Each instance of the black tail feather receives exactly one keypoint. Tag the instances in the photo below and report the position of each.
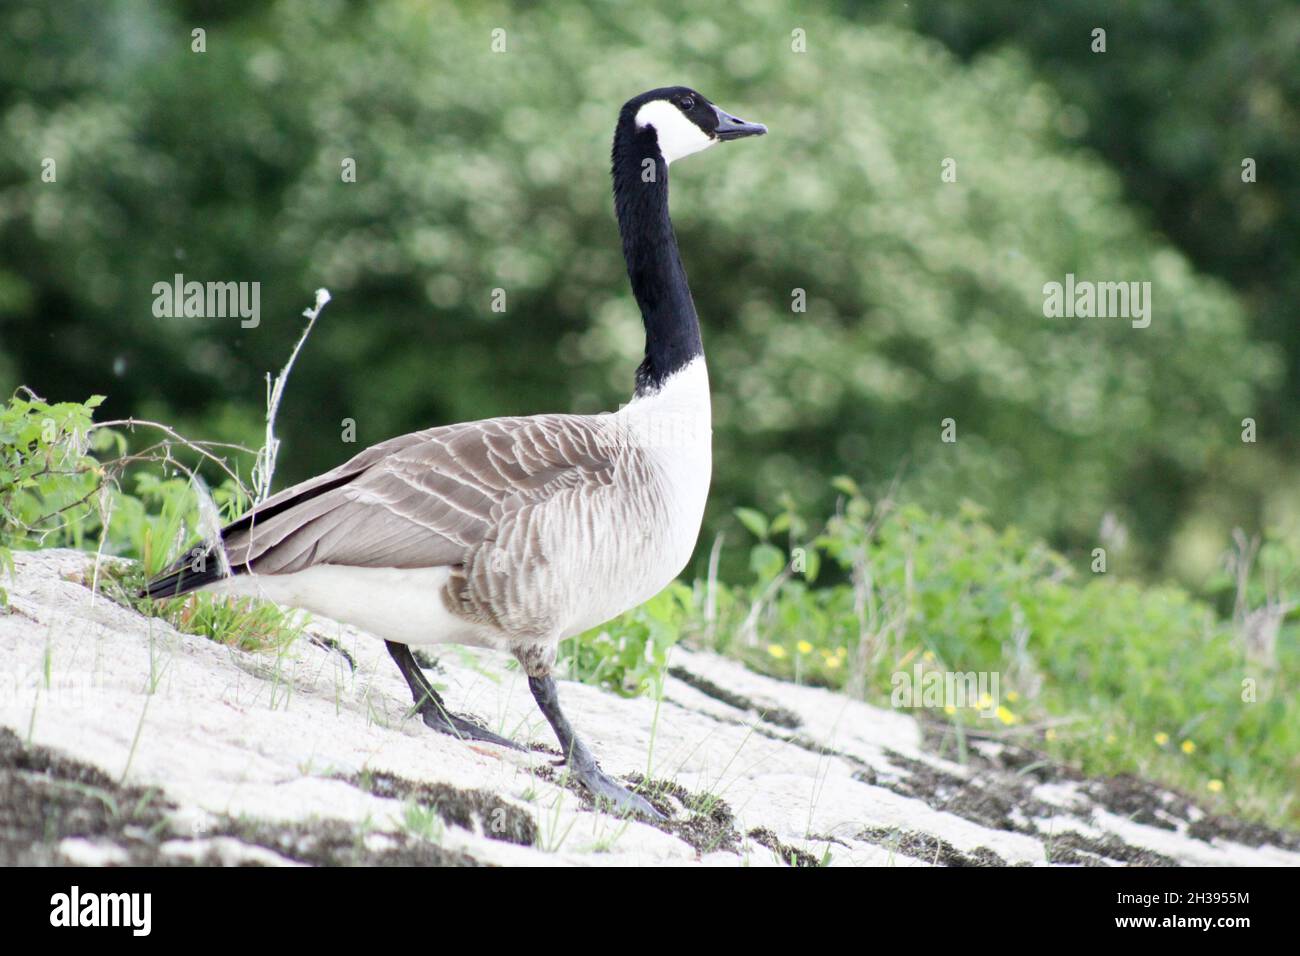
(183, 577)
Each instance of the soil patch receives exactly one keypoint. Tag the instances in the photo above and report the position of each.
(930, 849)
(768, 712)
(1075, 848)
(478, 811)
(791, 855)
(46, 798)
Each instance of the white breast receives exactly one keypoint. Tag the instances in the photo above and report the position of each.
(652, 528)
(679, 422)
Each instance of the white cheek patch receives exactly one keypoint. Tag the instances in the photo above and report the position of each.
(677, 135)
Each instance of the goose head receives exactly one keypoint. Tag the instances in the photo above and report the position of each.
(683, 122)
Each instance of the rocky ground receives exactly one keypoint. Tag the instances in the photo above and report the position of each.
(125, 741)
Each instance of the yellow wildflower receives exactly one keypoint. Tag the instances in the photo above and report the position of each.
(804, 647)
(1006, 716)
(1214, 786)
(1188, 747)
(1162, 738)
(776, 650)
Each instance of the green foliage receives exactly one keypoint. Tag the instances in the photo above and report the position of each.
(246, 623)
(924, 298)
(48, 477)
(56, 492)
(629, 655)
(1184, 93)
(59, 487)
(1142, 669)
(1096, 670)
(1186, 96)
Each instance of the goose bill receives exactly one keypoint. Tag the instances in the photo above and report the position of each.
(733, 127)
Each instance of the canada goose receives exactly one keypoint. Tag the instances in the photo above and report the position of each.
(515, 533)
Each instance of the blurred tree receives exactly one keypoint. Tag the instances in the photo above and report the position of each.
(1185, 93)
(479, 170)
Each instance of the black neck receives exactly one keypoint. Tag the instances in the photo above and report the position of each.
(672, 329)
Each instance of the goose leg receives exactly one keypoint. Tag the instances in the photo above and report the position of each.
(430, 706)
(579, 759)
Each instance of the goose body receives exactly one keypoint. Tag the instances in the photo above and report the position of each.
(515, 533)
(510, 533)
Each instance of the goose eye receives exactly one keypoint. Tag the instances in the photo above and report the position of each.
(688, 104)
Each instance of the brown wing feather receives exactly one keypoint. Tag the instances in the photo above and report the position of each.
(422, 500)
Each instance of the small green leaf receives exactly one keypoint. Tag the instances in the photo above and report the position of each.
(846, 485)
(766, 561)
(812, 564)
(755, 521)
